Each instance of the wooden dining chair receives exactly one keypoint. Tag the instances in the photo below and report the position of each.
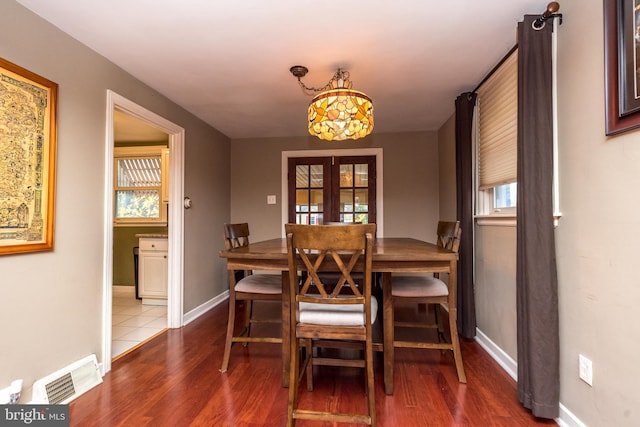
(431, 290)
(248, 287)
(328, 313)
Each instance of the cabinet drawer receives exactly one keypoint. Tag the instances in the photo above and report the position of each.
(154, 244)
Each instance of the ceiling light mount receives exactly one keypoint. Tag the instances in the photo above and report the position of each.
(338, 112)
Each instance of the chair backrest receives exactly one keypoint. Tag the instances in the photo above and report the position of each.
(236, 235)
(345, 248)
(448, 235)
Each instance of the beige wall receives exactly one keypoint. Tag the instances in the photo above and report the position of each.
(596, 240)
(51, 302)
(410, 171)
(447, 170)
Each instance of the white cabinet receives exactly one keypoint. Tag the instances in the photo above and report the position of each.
(152, 270)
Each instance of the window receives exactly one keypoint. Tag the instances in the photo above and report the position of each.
(496, 140)
(138, 186)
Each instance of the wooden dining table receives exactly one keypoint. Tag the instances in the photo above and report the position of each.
(390, 255)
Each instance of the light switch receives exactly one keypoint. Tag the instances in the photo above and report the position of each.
(271, 199)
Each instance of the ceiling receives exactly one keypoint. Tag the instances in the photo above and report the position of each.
(228, 62)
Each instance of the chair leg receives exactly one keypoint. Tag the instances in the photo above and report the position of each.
(457, 354)
(388, 332)
(248, 312)
(308, 345)
(371, 396)
(293, 381)
(230, 324)
(439, 329)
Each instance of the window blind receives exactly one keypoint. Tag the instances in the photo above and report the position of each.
(498, 125)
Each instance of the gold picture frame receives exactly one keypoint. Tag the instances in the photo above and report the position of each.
(27, 160)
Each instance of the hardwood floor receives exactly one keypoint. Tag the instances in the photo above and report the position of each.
(174, 381)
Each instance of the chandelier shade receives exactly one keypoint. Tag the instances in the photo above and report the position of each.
(337, 112)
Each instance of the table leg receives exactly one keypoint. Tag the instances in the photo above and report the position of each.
(388, 333)
(286, 329)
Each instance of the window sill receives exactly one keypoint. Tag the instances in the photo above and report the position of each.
(139, 224)
(497, 220)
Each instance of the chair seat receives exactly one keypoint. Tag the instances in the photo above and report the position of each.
(418, 286)
(260, 284)
(335, 314)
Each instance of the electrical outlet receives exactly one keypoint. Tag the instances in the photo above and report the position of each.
(271, 200)
(586, 369)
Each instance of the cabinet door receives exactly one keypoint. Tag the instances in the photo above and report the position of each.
(153, 274)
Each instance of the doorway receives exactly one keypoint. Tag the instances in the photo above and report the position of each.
(175, 238)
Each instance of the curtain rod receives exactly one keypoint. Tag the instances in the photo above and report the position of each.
(494, 69)
(549, 13)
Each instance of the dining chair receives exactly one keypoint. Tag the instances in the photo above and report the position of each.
(248, 287)
(431, 290)
(343, 313)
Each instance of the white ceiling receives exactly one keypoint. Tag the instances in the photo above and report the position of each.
(228, 62)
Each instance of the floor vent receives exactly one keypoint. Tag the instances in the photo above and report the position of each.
(68, 383)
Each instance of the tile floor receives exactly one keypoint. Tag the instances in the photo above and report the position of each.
(132, 322)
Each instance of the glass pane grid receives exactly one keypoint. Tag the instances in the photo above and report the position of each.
(142, 172)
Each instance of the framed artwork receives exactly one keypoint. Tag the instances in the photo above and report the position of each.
(622, 64)
(27, 160)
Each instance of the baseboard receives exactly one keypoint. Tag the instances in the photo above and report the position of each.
(503, 359)
(204, 307)
(566, 418)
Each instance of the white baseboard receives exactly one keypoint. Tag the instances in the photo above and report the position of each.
(566, 418)
(503, 359)
(204, 307)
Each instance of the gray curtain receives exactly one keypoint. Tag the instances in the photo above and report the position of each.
(464, 197)
(537, 286)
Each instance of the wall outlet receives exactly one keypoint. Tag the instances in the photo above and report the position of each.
(271, 200)
(585, 369)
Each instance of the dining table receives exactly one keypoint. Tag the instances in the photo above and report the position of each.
(390, 255)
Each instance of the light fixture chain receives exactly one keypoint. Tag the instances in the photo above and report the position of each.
(337, 76)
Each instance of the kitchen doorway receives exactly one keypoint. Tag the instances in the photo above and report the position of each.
(175, 240)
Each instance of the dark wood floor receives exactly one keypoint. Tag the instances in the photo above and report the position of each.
(173, 380)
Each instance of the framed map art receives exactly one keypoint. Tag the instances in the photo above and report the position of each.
(27, 160)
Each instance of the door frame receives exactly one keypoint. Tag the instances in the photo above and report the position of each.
(175, 288)
(377, 152)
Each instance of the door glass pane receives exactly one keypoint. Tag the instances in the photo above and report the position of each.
(316, 201)
(347, 218)
(302, 219)
(315, 219)
(363, 218)
(361, 178)
(346, 175)
(302, 201)
(362, 200)
(316, 176)
(346, 200)
(302, 176)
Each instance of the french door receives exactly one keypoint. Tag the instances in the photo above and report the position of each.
(332, 189)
